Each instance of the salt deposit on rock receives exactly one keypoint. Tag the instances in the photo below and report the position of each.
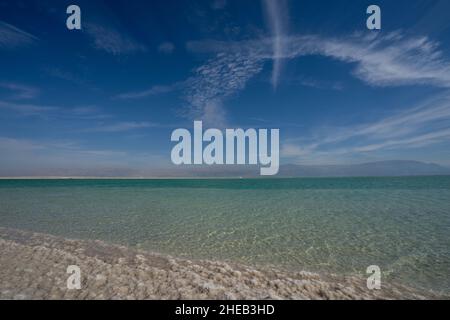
(34, 266)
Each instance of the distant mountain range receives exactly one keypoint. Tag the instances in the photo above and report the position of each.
(381, 168)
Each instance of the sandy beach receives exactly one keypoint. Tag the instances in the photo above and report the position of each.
(34, 266)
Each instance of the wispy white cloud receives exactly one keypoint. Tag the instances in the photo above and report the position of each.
(221, 77)
(13, 37)
(27, 109)
(54, 112)
(277, 16)
(319, 84)
(413, 142)
(121, 126)
(379, 60)
(99, 121)
(389, 60)
(112, 41)
(37, 157)
(64, 75)
(218, 79)
(84, 113)
(218, 4)
(210, 85)
(425, 124)
(10, 144)
(19, 91)
(41, 157)
(166, 47)
(155, 90)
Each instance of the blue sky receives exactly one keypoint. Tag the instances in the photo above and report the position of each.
(105, 99)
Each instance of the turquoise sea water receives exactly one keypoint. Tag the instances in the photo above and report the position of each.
(339, 225)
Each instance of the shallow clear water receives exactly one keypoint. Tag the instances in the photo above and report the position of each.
(339, 225)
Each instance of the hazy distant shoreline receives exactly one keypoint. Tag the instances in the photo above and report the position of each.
(210, 178)
(394, 168)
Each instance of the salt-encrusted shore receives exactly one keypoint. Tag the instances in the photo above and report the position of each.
(34, 266)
